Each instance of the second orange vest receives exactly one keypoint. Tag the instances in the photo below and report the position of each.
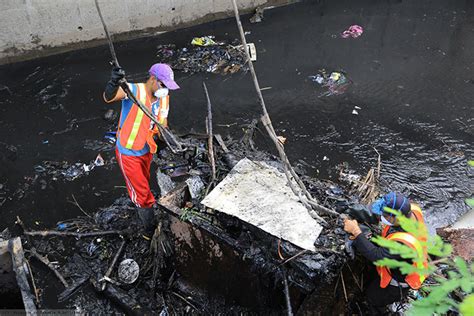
(414, 280)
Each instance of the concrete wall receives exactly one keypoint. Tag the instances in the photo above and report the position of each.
(34, 28)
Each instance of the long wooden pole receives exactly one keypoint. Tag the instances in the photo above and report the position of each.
(210, 145)
(291, 175)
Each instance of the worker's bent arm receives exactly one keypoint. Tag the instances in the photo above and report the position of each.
(370, 251)
(119, 96)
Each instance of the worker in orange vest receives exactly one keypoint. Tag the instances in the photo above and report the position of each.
(135, 144)
(391, 285)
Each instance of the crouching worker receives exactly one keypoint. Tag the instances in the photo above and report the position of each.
(135, 144)
(391, 285)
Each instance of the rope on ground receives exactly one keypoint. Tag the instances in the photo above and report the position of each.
(312, 204)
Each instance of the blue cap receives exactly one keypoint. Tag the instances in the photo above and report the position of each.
(377, 206)
(393, 200)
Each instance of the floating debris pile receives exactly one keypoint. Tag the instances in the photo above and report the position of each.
(204, 55)
(336, 82)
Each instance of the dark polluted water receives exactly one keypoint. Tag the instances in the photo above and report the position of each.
(411, 84)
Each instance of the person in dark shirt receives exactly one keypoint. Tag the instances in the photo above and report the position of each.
(390, 285)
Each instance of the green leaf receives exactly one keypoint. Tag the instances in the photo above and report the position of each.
(415, 228)
(437, 247)
(442, 308)
(470, 202)
(405, 267)
(466, 308)
(462, 267)
(471, 163)
(395, 247)
(417, 310)
(466, 285)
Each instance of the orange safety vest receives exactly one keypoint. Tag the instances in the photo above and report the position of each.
(137, 128)
(414, 280)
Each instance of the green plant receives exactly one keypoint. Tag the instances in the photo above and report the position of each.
(438, 296)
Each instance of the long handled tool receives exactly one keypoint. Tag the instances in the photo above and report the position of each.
(171, 140)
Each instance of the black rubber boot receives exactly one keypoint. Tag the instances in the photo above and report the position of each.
(148, 218)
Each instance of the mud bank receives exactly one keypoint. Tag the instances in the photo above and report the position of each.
(197, 259)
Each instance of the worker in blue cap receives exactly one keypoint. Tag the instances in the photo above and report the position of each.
(391, 285)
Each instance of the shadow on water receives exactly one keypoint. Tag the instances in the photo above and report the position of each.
(411, 73)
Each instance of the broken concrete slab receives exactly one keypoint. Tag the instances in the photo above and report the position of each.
(461, 235)
(259, 194)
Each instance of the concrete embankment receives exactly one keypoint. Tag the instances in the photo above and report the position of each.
(35, 28)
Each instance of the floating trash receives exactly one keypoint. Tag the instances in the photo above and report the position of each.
(219, 58)
(67, 171)
(353, 31)
(258, 16)
(203, 41)
(336, 82)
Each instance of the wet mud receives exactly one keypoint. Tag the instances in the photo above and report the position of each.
(410, 74)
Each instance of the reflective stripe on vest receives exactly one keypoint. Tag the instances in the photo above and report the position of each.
(162, 116)
(134, 130)
(414, 280)
(142, 97)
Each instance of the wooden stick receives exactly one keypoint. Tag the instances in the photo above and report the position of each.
(379, 164)
(33, 281)
(45, 233)
(185, 300)
(337, 284)
(45, 261)
(289, 171)
(112, 264)
(82, 210)
(344, 287)
(355, 279)
(210, 144)
(286, 290)
(220, 141)
(295, 256)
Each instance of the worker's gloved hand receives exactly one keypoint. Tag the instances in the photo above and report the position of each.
(361, 213)
(356, 211)
(352, 227)
(117, 75)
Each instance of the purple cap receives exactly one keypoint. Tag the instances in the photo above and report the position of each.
(165, 74)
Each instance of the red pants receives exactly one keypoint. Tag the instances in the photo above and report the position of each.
(136, 171)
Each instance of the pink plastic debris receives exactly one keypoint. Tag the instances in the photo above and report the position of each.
(353, 31)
